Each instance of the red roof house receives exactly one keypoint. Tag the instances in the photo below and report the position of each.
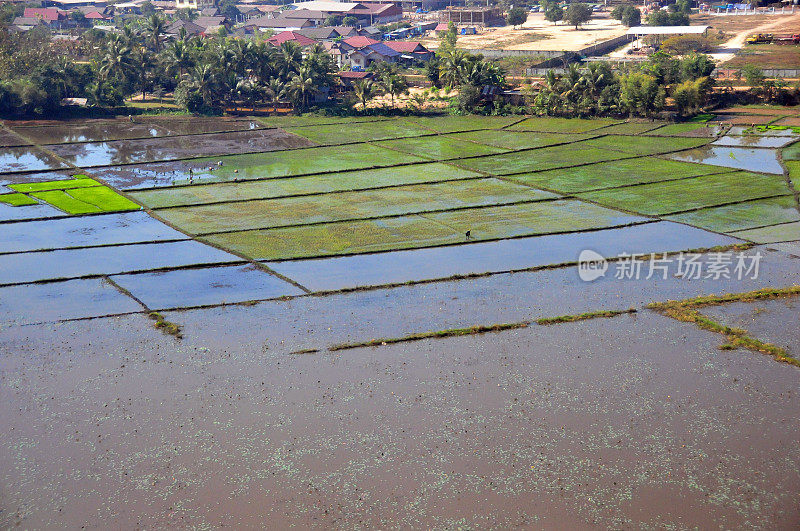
(280, 38)
(360, 42)
(46, 14)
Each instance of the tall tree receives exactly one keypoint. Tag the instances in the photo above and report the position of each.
(578, 14)
(365, 90)
(155, 32)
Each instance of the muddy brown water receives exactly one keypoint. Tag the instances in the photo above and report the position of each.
(9, 139)
(637, 421)
(776, 321)
(90, 131)
(159, 149)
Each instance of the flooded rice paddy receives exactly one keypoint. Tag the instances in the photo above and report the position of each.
(261, 239)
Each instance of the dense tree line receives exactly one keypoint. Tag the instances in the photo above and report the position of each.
(205, 74)
(640, 91)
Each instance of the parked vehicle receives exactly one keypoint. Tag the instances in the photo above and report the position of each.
(759, 38)
(787, 39)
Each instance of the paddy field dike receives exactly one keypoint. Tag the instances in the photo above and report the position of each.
(380, 321)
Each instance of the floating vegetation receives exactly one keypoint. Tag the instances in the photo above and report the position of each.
(165, 326)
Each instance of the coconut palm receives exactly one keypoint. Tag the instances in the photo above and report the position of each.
(116, 61)
(179, 57)
(203, 78)
(301, 88)
(155, 32)
(274, 91)
(365, 89)
(394, 85)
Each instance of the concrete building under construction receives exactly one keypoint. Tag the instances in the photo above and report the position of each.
(477, 16)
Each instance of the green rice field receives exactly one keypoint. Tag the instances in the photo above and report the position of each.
(687, 194)
(381, 184)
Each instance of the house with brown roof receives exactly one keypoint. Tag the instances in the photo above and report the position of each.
(349, 77)
(322, 33)
(190, 27)
(377, 13)
(336, 51)
(281, 23)
(208, 22)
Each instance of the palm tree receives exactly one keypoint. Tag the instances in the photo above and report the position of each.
(203, 78)
(365, 89)
(394, 85)
(452, 67)
(274, 91)
(155, 31)
(301, 88)
(142, 65)
(116, 61)
(290, 59)
(180, 58)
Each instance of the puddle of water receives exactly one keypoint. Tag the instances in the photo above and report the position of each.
(754, 141)
(26, 159)
(12, 213)
(187, 126)
(73, 263)
(768, 320)
(748, 130)
(197, 287)
(758, 160)
(37, 177)
(73, 299)
(82, 231)
(442, 262)
(90, 131)
(8, 139)
(147, 150)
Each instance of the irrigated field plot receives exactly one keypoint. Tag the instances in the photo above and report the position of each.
(154, 149)
(364, 132)
(183, 308)
(676, 196)
(614, 174)
(199, 194)
(561, 125)
(381, 185)
(423, 230)
(303, 210)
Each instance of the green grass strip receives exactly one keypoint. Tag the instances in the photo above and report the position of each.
(66, 184)
(106, 199)
(17, 200)
(63, 201)
(428, 335)
(713, 300)
(582, 316)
